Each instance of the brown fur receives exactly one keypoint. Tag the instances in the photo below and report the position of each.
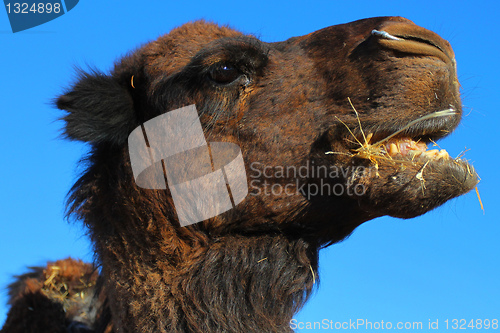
(250, 269)
(55, 298)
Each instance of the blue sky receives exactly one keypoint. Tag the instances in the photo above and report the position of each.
(443, 265)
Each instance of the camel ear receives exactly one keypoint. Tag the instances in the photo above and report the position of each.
(99, 109)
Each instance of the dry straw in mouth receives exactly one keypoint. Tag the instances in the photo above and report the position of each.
(369, 151)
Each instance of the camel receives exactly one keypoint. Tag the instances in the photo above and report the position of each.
(333, 129)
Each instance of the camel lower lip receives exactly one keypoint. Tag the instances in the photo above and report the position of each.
(405, 155)
(418, 180)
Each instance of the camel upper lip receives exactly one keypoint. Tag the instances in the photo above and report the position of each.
(425, 131)
(412, 39)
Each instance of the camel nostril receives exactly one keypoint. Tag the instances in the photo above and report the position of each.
(412, 39)
(383, 34)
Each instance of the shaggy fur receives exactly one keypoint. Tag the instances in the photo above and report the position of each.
(57, 298)
(287, 106)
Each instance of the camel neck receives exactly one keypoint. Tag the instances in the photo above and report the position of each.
(236, 284)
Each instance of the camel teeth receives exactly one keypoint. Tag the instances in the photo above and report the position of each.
(393, 149)
(443, 154)
(432, 153)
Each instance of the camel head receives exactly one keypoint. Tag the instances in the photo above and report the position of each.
(334, 126)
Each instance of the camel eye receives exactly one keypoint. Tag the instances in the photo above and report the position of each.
(225, 74)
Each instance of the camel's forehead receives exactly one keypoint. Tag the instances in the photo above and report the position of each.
(174, 49)
(198, 32)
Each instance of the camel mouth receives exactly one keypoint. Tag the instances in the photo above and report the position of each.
(408, 143)
(414, 40)
(405, 154)
(404, 150)
(410, 139)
